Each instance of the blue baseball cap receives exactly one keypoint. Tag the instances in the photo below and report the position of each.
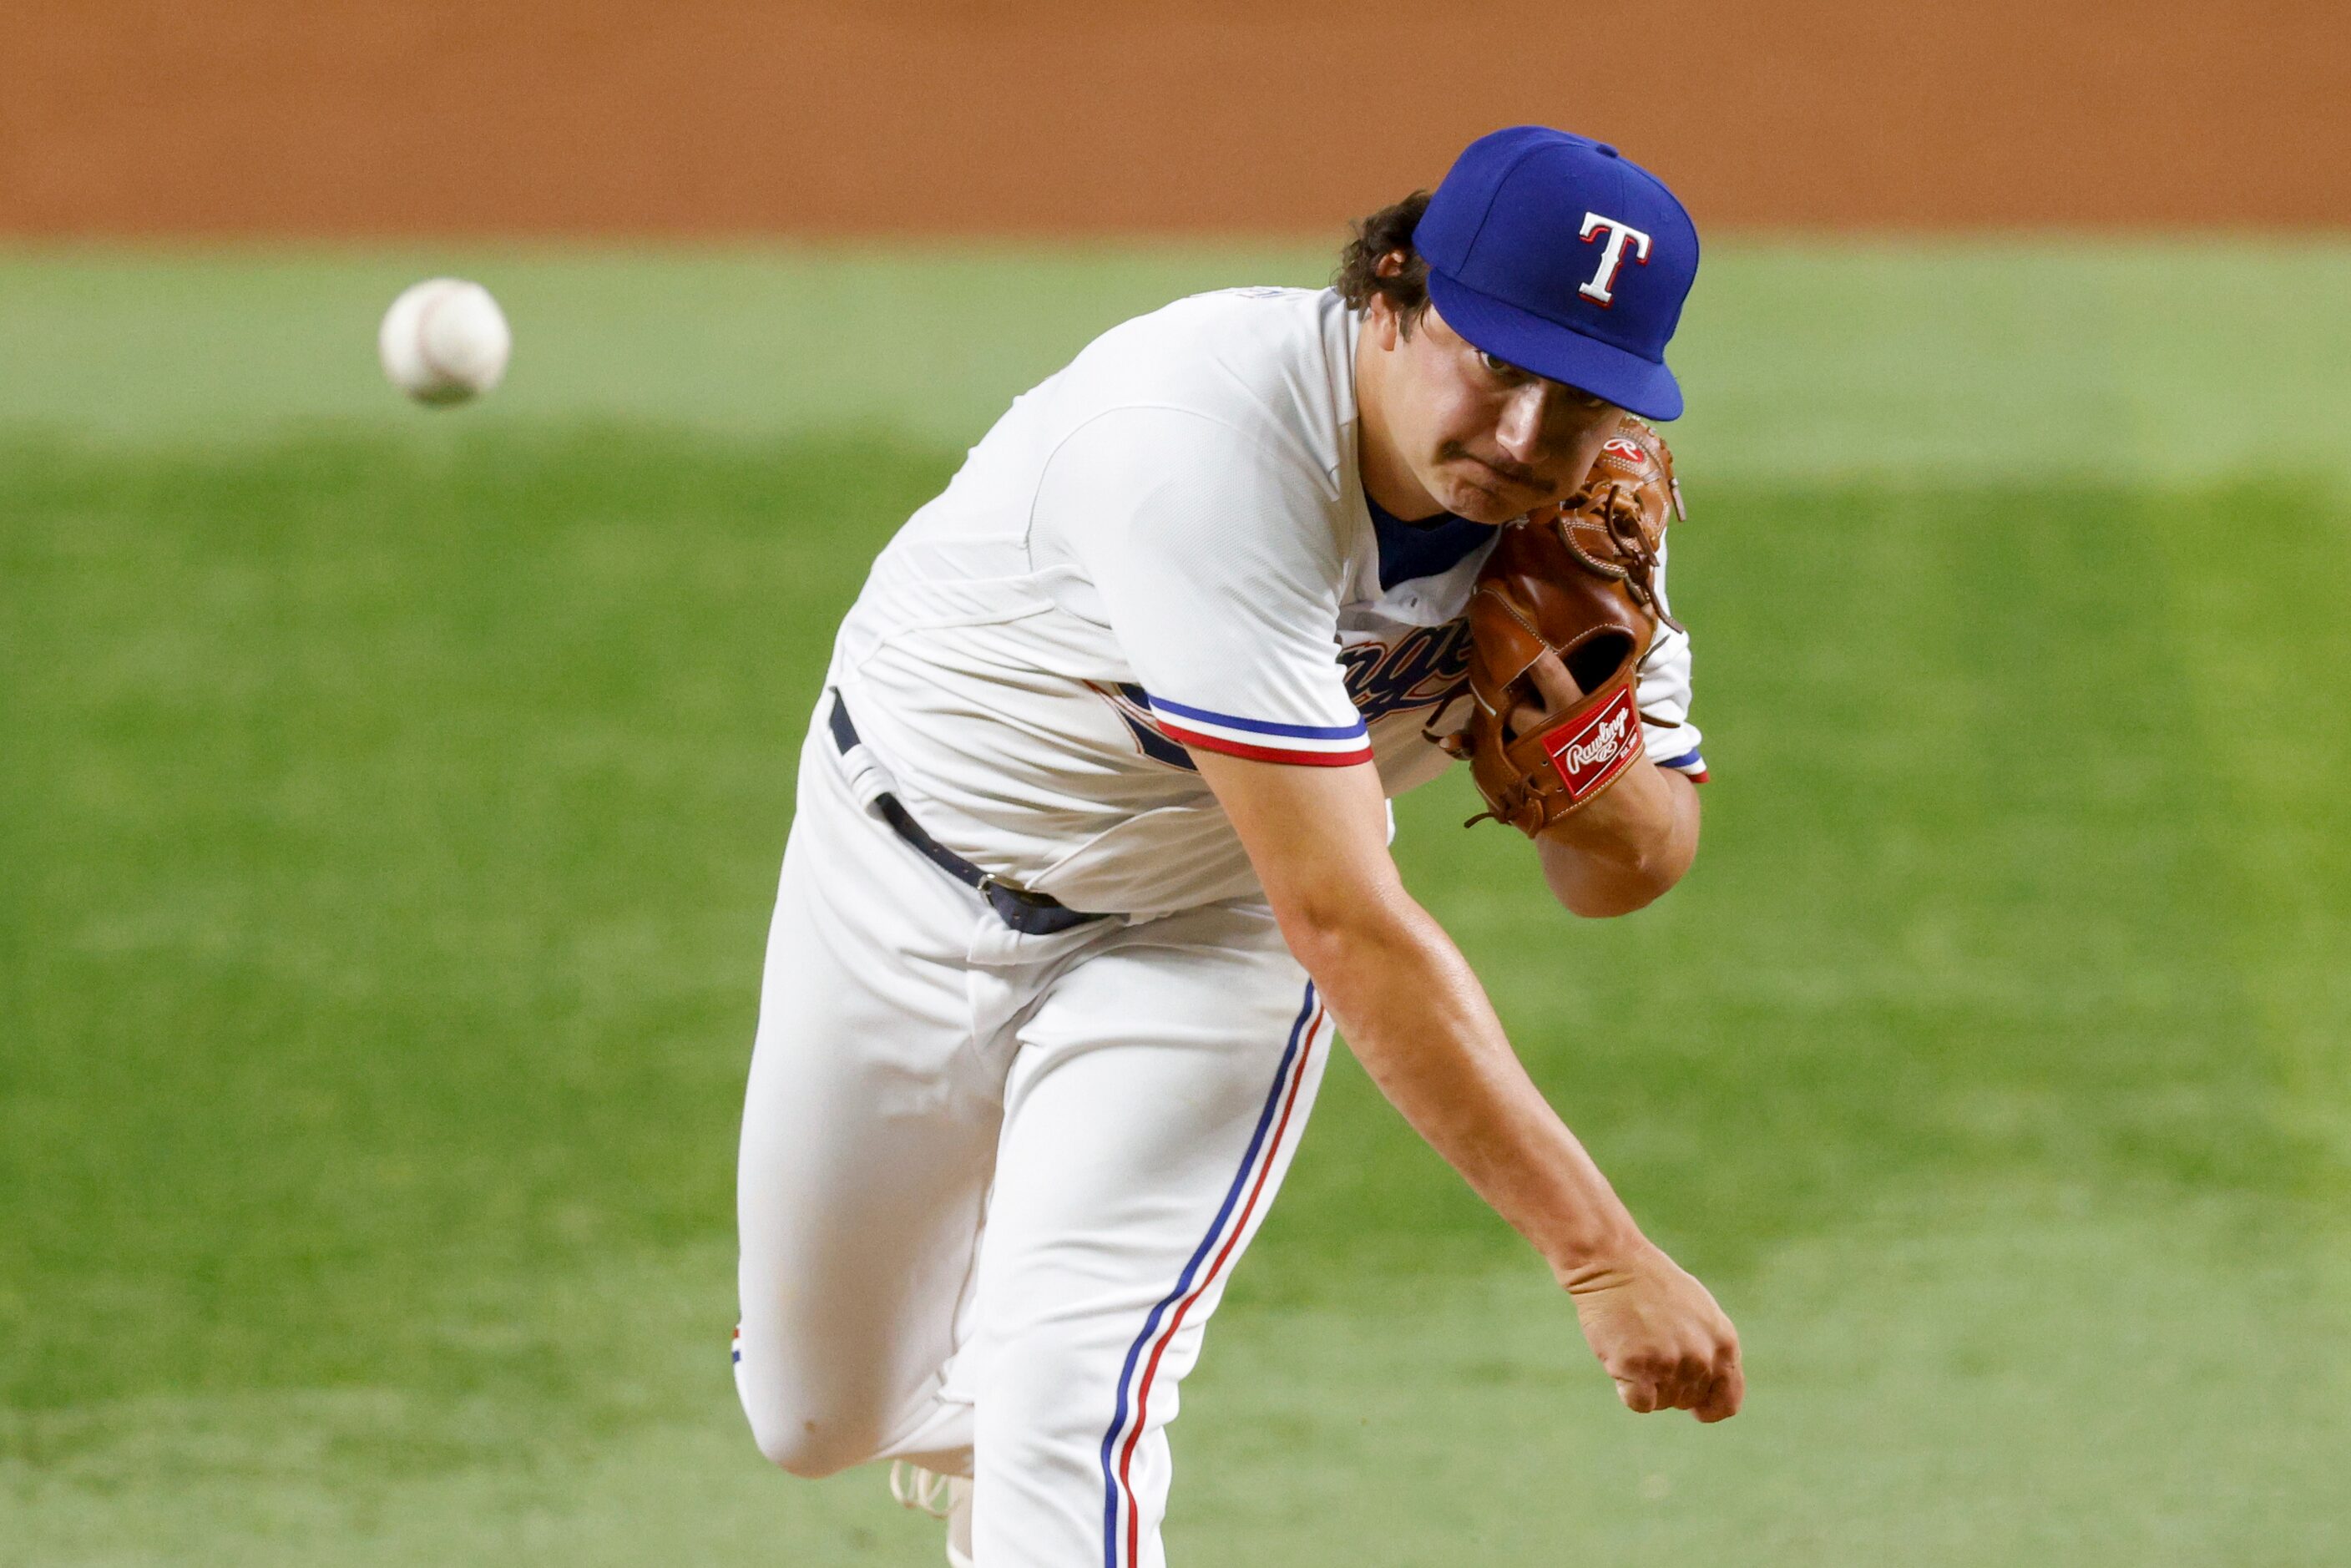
(1560, 254)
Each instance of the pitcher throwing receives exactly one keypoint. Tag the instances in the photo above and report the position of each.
(1090, 853)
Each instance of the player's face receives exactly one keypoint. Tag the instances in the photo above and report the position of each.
(1486, 440)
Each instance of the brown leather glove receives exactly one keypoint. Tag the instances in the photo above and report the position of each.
(1576, 580)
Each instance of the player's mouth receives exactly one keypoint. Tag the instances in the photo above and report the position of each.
(1493, 476)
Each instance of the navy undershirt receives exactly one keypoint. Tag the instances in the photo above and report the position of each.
(1423, 549)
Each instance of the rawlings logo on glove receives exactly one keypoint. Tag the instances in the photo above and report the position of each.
(1591, 757)
(1576, 582)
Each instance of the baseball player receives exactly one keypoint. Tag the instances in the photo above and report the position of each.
(1091, 857)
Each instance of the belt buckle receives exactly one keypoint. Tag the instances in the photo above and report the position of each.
(990, 884)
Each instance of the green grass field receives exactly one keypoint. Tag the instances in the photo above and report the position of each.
(390, 805)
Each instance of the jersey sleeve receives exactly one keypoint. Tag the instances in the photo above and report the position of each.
(1210, 552)
(1665, 694)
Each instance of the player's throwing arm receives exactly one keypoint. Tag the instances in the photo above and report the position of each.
(1420, 1023)
(1510, 390)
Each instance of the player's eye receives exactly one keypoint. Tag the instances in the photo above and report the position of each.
(1499, 368)
(1582, 401)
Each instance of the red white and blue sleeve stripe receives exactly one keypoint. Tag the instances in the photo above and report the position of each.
(1312, 745)
(1691, 762)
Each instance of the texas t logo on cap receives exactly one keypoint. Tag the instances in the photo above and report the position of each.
(1604, 282)
(1510, 237)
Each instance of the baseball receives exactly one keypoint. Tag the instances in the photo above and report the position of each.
(444, 341)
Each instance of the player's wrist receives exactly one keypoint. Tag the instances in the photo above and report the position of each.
(1626, 1254)
(1591, 1244)
(1616, 824)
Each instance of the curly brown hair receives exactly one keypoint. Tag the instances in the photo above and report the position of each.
(1383, 233)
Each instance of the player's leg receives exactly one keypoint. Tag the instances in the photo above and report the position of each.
(869, 1136)
(1157, 1095)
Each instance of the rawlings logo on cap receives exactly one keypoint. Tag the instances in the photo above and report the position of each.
(1588, 755)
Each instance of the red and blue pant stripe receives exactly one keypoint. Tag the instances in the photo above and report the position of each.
(1122, 1514)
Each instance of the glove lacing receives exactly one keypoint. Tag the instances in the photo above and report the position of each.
(1638, 565)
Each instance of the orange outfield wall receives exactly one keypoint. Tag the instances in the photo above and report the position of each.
(1054, 117)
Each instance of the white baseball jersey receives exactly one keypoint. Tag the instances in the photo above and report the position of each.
(1166, 547)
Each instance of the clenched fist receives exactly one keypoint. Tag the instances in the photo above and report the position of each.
(1658, 1334)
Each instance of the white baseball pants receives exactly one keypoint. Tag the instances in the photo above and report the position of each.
(992, 1184)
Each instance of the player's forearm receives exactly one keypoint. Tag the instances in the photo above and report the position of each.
(1417, 1018)
(1420, 1023)
(1626, 849)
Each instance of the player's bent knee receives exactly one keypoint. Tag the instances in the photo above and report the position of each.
(810, 1449)
(805, 1441)
(810, 1418)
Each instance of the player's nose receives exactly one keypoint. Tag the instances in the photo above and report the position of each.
(1519, 430)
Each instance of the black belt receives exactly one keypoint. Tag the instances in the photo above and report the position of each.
(1030, 913)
